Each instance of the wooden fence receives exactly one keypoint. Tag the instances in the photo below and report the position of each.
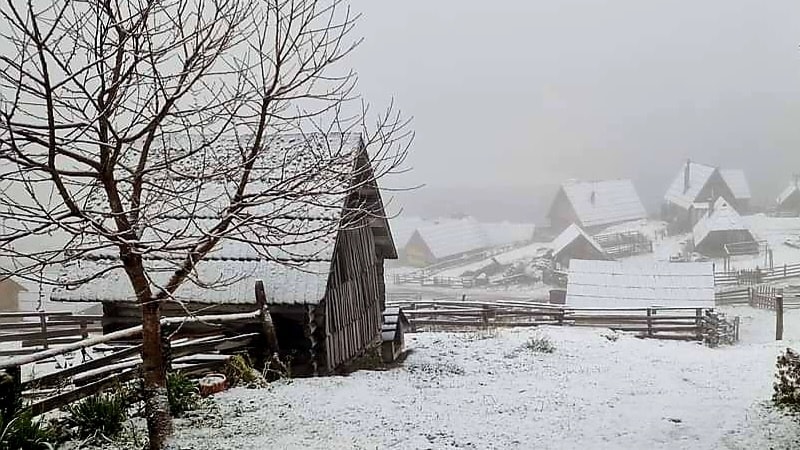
(121, 363)
(620, 245)
(750, 277)
(37, 331)
(702, 324)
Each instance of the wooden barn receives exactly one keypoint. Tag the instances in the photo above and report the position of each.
(324, 287)
(696, 188)
(602, 284)
(722, 226)
(788, 202)
(445, 240)
(594, 205)
(574, 243)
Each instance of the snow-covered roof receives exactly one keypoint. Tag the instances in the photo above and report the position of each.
(638, 284)
(737, 182)
(503, 233)
(403, 228)
(214, 282)
(682, 195)
(790, 190)
(599, 203)
(722, 217)
(285, 240)
(570, 235)
(452, 237)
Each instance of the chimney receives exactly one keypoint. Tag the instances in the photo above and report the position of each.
(686, 175)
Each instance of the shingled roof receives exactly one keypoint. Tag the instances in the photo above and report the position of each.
(287, 242)
(685, 191)
(598, 203)
(451, 237)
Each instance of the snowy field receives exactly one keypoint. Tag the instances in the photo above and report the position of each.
(486, 390)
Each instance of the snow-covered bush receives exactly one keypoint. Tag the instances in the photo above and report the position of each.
(540, 344)
(786, 388)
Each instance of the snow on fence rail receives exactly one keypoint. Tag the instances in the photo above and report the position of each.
(682, 323)
(749, 277)
(61, 387)
(49, 328)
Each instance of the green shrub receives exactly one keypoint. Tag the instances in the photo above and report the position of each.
(182, 393)
(23, 432)
(101, 414)
(540, 344)
(786, 388)
(239, 370)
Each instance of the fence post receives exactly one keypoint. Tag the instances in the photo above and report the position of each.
(265, 319)
(698, 323)
(736, 329)
(10, 390)
(43, 322)
(779, 317)
(750, 295)
(485, 316)
(650, 322)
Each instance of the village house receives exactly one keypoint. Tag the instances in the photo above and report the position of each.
(593, 205)
(722, 228)
(788, 202)
(325, 289)
(9, 294)
(574, 243)
(696, 188)
(640, 285)
(445, 240)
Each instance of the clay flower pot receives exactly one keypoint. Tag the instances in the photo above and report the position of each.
(212, 383)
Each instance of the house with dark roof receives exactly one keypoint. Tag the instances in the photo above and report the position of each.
(322, 273)
(593, 205)
(695, 189)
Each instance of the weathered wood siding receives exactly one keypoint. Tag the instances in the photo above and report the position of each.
(352, 303)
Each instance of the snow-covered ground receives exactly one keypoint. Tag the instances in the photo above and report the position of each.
(485, 390)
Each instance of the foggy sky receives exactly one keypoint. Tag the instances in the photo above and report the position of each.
(516, 94)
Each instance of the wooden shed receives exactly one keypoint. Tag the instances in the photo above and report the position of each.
(395, 324)
(593, 205)
(9, 294)
(445, 240)
(694, 190)
(722, 226)
(323, 281)
(574, 243)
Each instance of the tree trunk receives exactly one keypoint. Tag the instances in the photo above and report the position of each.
(159, 420)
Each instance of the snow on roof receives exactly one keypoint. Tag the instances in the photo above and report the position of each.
(604, 202)
(403, 228)
(737, 182)
(722, 217)
(503, 233)
(639, 284)
(788, 192)
(452, 237)
(286, 241)
(570, 235)
(699, 174)
(214, 282)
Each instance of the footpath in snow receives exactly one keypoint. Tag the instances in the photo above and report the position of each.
(486, 390)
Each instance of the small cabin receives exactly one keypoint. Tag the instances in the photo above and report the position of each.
(694, 190)
(445, 240)
(594, 205)
(323, 278)
(722, 232)
(574, 243)
(9, 294)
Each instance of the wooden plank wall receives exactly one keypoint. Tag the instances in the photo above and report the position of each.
(352, 305)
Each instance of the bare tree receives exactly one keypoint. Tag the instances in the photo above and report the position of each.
(118, 115)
